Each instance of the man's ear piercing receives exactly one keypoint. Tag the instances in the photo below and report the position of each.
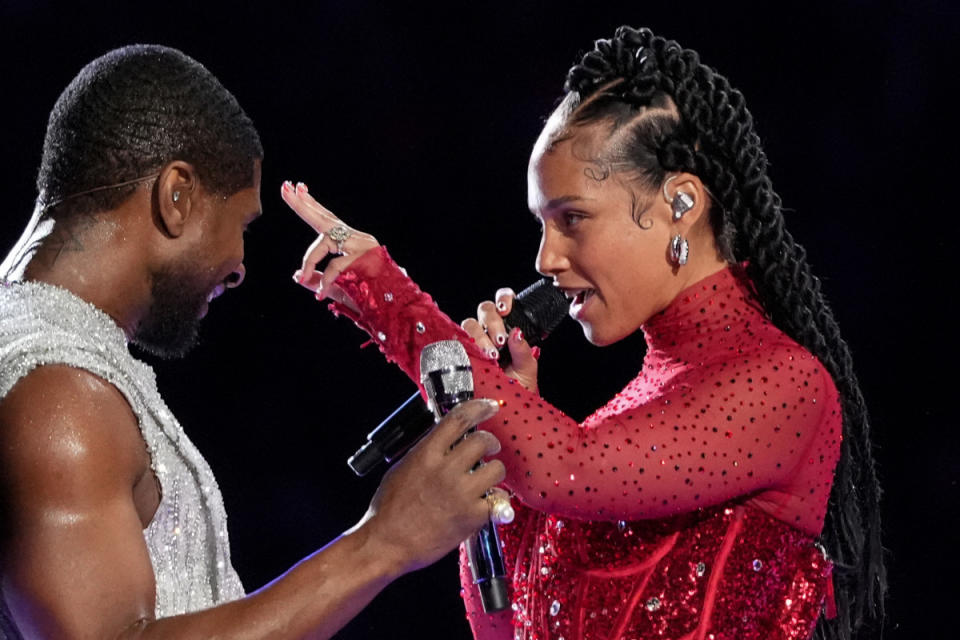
(176, 196)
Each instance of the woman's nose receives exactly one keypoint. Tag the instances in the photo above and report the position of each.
(550, 258)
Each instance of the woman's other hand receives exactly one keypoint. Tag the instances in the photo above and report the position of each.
(490, 333)
(335, 237)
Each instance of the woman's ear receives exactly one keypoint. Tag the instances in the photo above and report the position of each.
(687, 197)
(176, 191)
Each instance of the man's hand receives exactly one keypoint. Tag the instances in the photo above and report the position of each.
(433, 499)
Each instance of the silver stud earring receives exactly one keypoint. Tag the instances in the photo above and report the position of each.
(176, 196)
(679, 250)
(681, 203)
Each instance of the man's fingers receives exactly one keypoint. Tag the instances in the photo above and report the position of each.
(497, 493)
(463, 417)
(490, 474)
(474, 448)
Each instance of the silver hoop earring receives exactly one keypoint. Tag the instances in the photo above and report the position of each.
(679, 250)
(176, 196)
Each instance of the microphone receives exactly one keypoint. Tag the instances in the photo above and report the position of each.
(537, 310)
(447, 377)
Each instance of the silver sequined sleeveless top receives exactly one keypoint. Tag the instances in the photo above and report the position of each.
(187, 538)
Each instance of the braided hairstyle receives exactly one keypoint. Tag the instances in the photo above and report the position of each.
(131, 111)
(664, 111)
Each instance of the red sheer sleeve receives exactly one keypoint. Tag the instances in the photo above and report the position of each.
(684, 434)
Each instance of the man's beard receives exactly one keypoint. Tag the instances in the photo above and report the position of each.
(171, 326)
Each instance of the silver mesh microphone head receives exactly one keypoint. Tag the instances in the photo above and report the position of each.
(445, 371)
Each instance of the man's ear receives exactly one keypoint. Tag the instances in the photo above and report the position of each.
(176, 194)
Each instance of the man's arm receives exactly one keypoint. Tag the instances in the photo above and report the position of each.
(76, 564)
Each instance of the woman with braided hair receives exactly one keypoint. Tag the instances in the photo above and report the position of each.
(728, 492)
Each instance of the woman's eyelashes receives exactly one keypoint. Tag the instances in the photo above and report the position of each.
(572, 219)
(563, 221)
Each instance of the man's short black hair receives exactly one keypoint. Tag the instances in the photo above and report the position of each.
(130, 112)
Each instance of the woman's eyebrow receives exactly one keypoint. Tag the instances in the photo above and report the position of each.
(556, 202)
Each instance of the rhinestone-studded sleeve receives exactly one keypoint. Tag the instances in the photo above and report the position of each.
(725, 405)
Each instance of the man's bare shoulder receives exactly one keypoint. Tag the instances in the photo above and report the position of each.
(71, 457)
(63, 424)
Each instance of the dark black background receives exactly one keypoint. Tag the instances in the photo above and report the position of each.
(414, 122)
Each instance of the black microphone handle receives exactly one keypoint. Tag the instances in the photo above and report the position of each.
(536, 311)
(393, 436)
(484, 551)
(485, 558)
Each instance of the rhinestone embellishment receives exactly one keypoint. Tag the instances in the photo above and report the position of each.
(555, 608)
(421, 327)
(653, 604)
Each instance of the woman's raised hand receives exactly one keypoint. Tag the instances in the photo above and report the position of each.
(490, 333)
(335, 237)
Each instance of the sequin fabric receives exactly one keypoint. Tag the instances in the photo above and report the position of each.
(686, 507)
(187, 539)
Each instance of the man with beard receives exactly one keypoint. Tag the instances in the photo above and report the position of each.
(112, 524)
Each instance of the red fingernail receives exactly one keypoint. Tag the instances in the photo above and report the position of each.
(535, 352)
(298, 276)
(501, 306)
(302, 187)
(518, 335)
(501, 339)
(287, 185)
(493, 353)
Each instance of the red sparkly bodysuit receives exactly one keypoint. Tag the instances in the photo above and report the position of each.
(686, 508)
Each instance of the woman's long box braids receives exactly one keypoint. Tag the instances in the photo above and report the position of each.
(710, 133)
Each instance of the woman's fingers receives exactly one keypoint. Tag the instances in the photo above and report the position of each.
(489, 316)
(313, 283)
(476, 331)
(504, 300)
(335, 237)
(488, 329)
(316, 252)
(309, 210)
(523, 360)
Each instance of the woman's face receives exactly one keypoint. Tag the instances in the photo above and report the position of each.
(616, 272)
